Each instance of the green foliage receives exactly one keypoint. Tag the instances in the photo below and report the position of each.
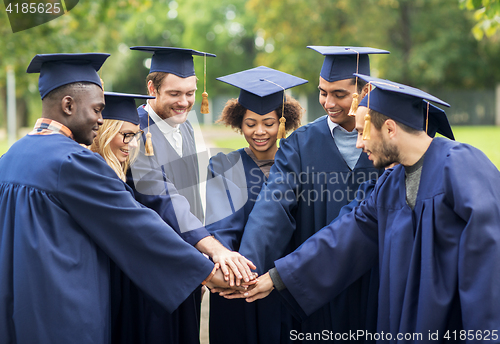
(285, 28)
(430, 40)
(220, 27)
(91, 26)
(431, 43)
(487, 15)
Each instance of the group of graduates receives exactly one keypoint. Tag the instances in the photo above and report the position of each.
(361, 227)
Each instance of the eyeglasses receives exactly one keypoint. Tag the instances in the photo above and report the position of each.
(127, 137)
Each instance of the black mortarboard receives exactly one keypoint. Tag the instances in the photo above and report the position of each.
(342, 62)
(121, 106)
(177, 61)
(438, 121)
(400, 102)
(262, 88)
(61, 69)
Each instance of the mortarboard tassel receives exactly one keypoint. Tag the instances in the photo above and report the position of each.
(355, 102)
(366, 130)
(148, 146)
(204, 102)
(281, 128)
(427, 119)
(355, 95)
(368, 121)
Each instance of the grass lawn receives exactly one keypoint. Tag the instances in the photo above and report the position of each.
(231, 142)
(486, 139)
(4, 146)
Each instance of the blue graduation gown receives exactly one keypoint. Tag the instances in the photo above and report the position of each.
(139, 319)
(308, 185)
(438, 263)
(64, 214)
(181, 171)
(233, 184)
(364, 191)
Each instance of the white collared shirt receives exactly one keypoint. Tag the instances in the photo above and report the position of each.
(333, 125)
(172, 134)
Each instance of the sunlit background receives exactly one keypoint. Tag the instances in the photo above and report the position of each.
(447, 47)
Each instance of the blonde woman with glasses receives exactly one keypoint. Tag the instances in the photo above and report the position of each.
(137, 318)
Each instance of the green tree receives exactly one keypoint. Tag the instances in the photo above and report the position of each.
(487, 15)
(430, 40)
(285, 28)
(219, 27)
(92, 26)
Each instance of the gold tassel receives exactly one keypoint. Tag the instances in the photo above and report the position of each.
(427, 119)
(354, 104)
(281, 128)
(367, 128)
(355, 95)
(148, 147)
(204, 104)
(368, 118)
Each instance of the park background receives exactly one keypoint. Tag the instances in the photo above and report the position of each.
(449, 48)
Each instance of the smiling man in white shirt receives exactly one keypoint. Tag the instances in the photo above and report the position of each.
(167, 179)
(172, 81)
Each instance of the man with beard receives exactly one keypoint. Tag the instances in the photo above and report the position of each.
(316, 172)
(432, 224)
(65, 215)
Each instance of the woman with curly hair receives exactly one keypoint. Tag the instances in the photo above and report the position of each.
(261, 113)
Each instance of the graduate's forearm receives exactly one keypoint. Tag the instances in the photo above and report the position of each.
(153, 189)
(233, 264)
(108, 204)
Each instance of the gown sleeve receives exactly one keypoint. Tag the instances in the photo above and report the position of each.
(364, 191)
(474, 195)
(333, 258)
(271, 223)
(153, 189)
(148, 251)
(227, 194)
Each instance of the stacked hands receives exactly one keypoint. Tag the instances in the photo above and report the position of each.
(235, 279)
